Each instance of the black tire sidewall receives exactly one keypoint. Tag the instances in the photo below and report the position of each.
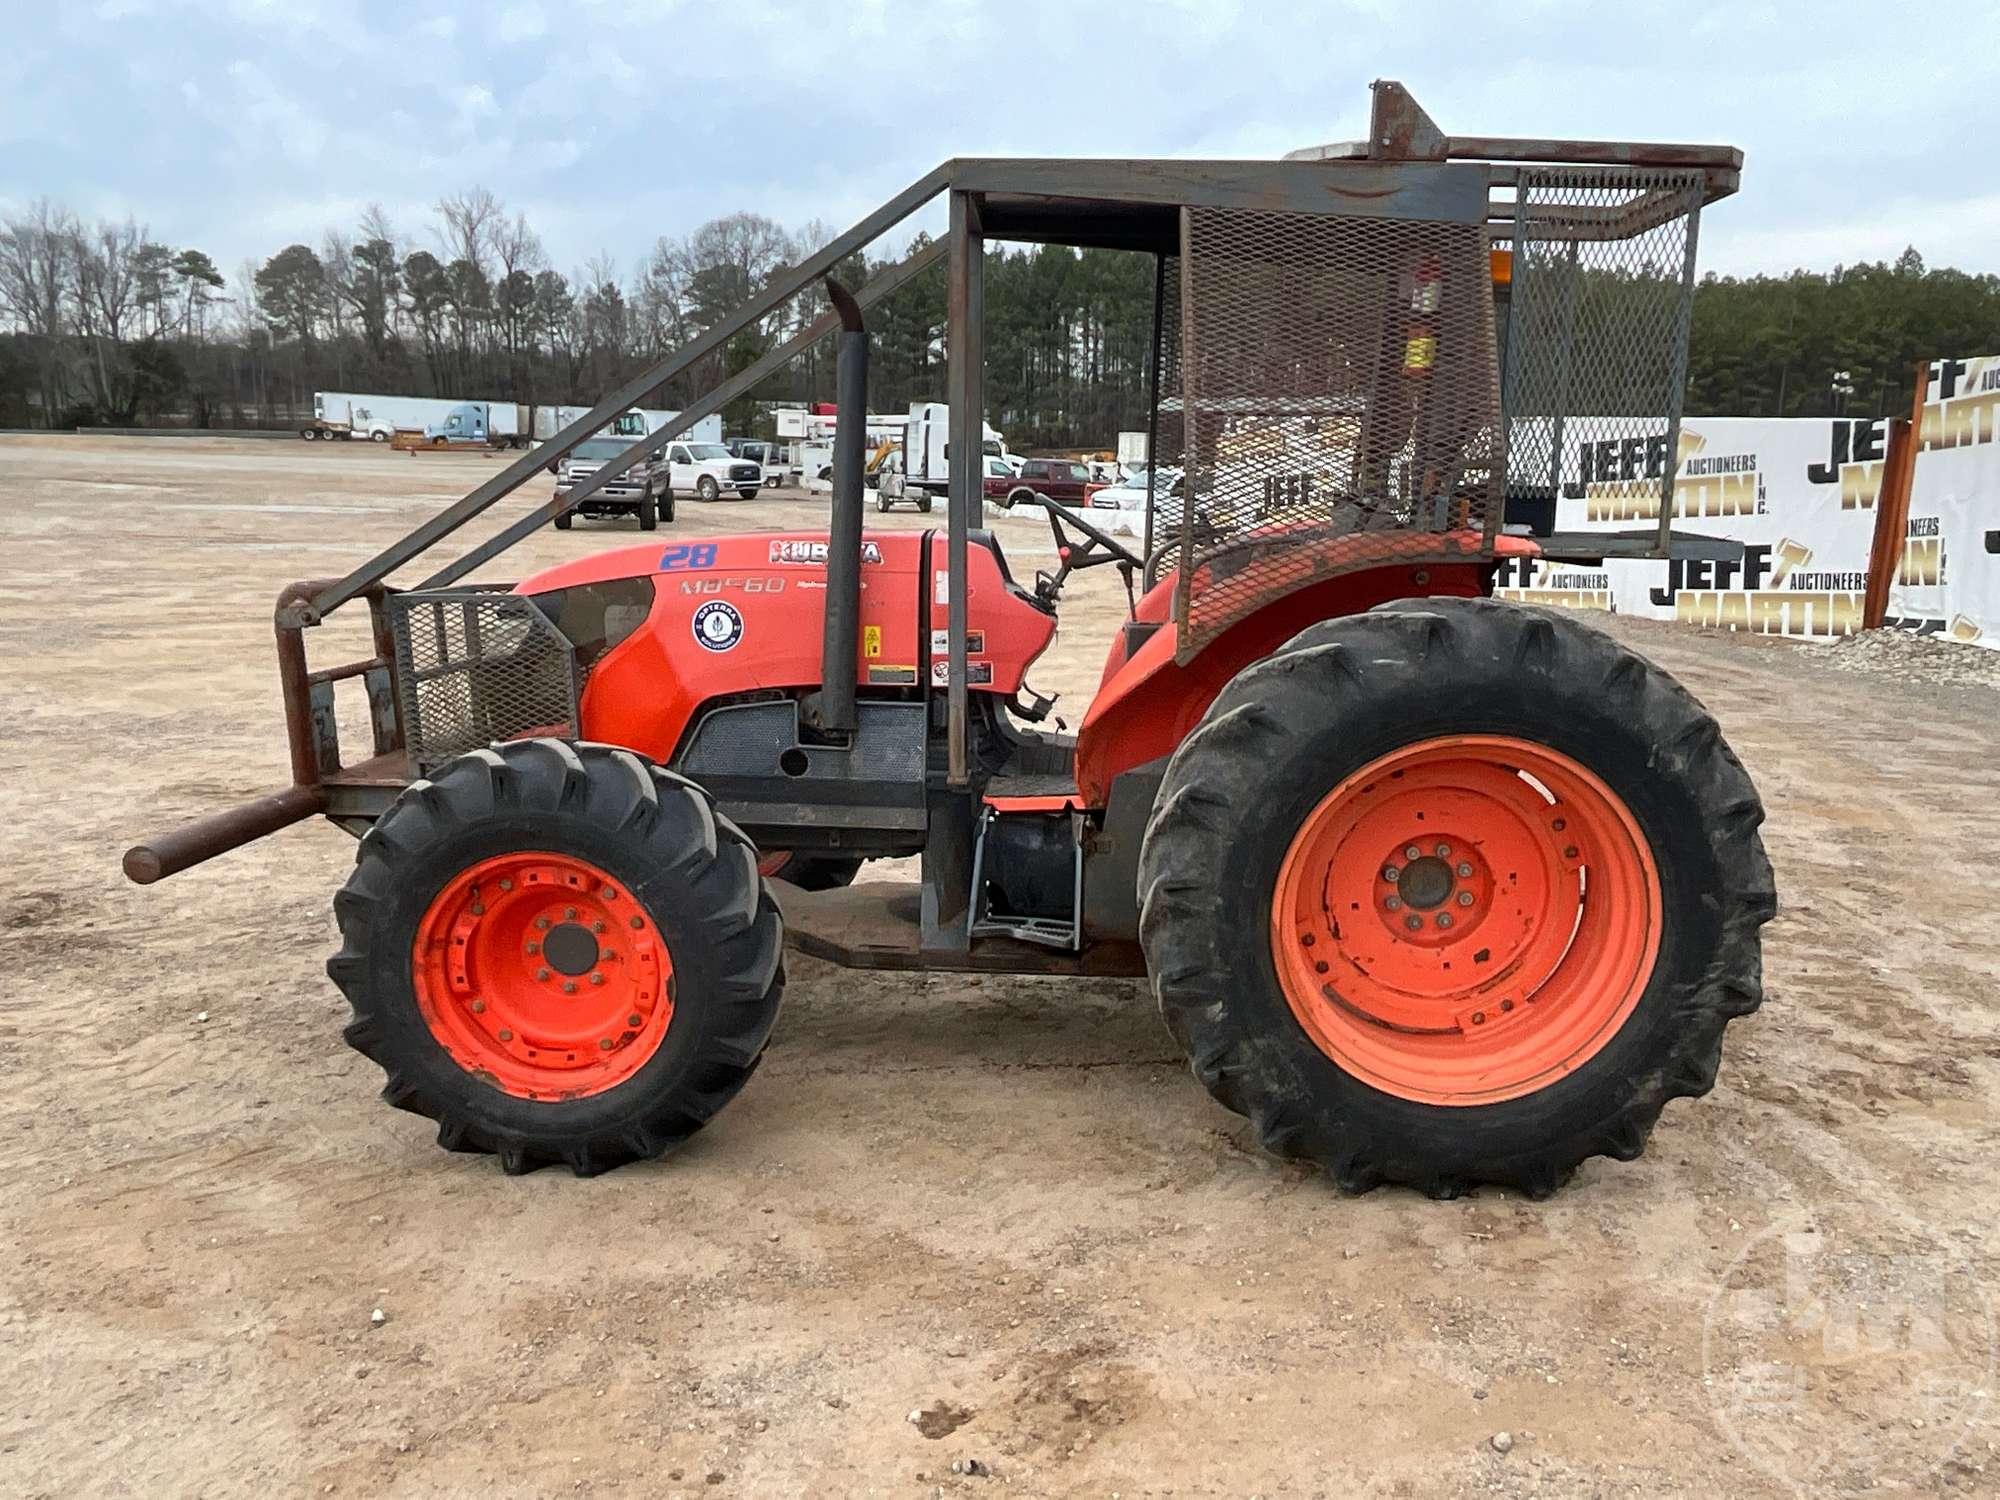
(698, 1016)
(1341, 1112)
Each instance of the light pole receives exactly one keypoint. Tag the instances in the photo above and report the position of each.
(1842, 388)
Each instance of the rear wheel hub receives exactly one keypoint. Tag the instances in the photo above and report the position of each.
(1466, 919)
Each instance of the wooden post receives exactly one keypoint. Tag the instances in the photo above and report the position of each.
(1892, 505)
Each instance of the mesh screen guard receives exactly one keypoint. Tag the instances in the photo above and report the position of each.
(1339, 390)
(1597, 337)
(475, 667)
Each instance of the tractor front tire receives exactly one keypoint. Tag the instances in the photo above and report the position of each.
(560, 953)
(1454, 892)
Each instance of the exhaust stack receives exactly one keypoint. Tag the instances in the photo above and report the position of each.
(831, 710)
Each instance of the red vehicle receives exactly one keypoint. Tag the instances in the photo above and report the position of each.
(1433, 888)
(1062, 480)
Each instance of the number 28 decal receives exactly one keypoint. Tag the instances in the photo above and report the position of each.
(687, 555)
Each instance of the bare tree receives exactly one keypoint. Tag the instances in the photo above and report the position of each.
(107, 291)
(472, 221)
(37, 270)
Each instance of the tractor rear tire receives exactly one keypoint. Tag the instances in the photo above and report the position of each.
(1445, 782)
(560, 953)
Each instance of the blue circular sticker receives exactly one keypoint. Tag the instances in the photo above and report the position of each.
(717, 625)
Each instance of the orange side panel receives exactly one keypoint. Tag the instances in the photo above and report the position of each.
(738, 614)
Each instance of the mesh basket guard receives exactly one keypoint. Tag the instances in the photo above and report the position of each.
(477, 665)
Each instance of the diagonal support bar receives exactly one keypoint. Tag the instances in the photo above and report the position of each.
(738, 384)
(782, 290)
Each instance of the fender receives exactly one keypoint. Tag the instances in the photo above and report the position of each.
(1147, 703)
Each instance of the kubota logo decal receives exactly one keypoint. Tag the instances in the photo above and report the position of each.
(717, 625)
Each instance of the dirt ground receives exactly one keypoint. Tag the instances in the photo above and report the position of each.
(999, 1206)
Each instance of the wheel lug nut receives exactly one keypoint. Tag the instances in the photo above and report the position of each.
(597, 979)
(597, 927)
(1413, 922)
(1569, 851)
(534, 947)
(569, 913)
(479, 1007)
(541, 973)
(542, 923)
(632, 1020)
(1413, 852)
(1465, 869)
(1391, 873)
(636, 922)
(1465, 898)
(1479, 1018)
(1444, 919)
(605, 1044)
(569, 986)
(506, 1035)
(1559, 825)
(1393, 903)
(607, 893)
(506, 885)
(1443, 851)
(478, 910)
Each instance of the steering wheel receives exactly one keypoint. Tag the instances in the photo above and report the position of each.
(1074, 558)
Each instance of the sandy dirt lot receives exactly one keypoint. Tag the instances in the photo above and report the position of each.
(1001, 1203)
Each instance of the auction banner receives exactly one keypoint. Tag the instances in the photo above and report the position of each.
(1799, 493)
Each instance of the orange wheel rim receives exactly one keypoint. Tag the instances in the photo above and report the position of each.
(1466, 920)
(543, 975)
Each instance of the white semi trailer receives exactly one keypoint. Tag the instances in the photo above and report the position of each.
(345, 414)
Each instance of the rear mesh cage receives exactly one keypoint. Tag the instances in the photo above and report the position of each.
(1597, 334)
(475, 666)
(1340, 398)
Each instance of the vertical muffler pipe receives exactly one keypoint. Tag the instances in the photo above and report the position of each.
(833, 711)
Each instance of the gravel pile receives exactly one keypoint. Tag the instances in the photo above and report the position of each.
(1918, 658)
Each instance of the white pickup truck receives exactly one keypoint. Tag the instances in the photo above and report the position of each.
(704, 470)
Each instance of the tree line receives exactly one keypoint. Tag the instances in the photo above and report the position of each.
(103, 325)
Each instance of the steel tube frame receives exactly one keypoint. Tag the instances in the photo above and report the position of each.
(739, 384)
(453, 516)
(966, 355)
(1153, 399)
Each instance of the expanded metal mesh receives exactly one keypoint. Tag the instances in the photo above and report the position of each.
(1340, 394)
(1603, 287)
(474, 667)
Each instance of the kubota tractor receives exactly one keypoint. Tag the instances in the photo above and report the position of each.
(1436, 889)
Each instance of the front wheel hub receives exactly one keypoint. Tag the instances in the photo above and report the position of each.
(1466, 919)
(543, 975)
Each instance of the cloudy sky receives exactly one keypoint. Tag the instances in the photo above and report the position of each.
(240, 125)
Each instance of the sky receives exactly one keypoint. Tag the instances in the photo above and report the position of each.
(239, 126)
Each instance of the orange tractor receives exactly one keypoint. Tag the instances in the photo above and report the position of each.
(1435, 889)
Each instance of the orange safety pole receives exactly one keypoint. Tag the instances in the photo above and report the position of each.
(1892, 505)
